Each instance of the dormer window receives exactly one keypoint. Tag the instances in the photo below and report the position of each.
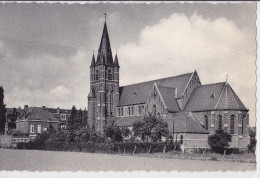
(135, 93)
(212, 95)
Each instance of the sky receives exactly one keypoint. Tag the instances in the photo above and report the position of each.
(46, 49)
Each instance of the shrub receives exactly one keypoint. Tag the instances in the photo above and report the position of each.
(251, 147)
(219, 142)
(93, 147)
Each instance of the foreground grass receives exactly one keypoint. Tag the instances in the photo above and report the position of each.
(41, 160)
(242, 158)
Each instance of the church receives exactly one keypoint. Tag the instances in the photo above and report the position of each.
(191, 109)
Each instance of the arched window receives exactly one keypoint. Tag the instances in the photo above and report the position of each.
(243, 122)
(139, 110)
(232, 124)
(96, 75)
(154, 110)
(109, 74)
(111, 103)
(181, 139)
(219, 122)
(206, 122)
(132, 110)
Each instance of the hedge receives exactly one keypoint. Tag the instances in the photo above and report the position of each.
(93, 147)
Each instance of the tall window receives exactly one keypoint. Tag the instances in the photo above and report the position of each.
(122, 111)
(154, 110)
(96, 75)
(243, 121)
(219, 122)
(109, 74)
(181, 139)
(206, 122)
(111, 103)
(129, 111)
(39, 128)
(232, 124)
(139, 110)
(31, 128)
(132, 110)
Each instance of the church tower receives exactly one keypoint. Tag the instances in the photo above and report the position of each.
(104, 85)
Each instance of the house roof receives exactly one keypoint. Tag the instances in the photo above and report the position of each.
(218, 96)
(62, 111)
(168, 95)
(184, 124)
(37, 113)
(139, 93)
(127, 121)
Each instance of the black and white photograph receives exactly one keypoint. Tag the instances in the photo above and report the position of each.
(166, 86)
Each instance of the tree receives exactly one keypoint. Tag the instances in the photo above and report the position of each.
(2, 110)
(219, 142)
(252, 134)
(72, 118)
(114, 133)
(151, 127)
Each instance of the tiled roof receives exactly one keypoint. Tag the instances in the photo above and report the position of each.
(127, 121)
(62, 111)
(184, 124)
(139, 93)
(37, 113)
(168, 95)
(213, 97)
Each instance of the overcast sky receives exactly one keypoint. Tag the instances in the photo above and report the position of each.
(46, 49)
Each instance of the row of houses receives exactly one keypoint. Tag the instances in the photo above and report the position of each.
(24, 124)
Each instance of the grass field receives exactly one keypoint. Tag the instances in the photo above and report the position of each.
(242, 158)
(36, 160)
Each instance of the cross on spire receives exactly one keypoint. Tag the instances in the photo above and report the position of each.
(226, 78)
(105, 16)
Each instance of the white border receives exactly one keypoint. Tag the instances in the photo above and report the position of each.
(152, 174)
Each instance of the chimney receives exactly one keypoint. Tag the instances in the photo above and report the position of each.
(14, 110)
(25, 106)
(58, 110)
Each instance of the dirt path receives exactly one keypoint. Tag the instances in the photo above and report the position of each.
(33, 160)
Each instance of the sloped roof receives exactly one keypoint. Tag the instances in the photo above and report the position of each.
(37, 113)
(214, 97)
(185, 124)
(168, 95)
(104, 51)
(62, 111)
(139, 93)
(229, 100)
(127, 121)
(116, 63)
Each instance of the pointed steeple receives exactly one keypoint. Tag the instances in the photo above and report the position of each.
(116, 64)
(104, 48)
(93, 61)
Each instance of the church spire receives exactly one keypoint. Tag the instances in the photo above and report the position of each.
(116, 64)
(104, 48)
(93, 61)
